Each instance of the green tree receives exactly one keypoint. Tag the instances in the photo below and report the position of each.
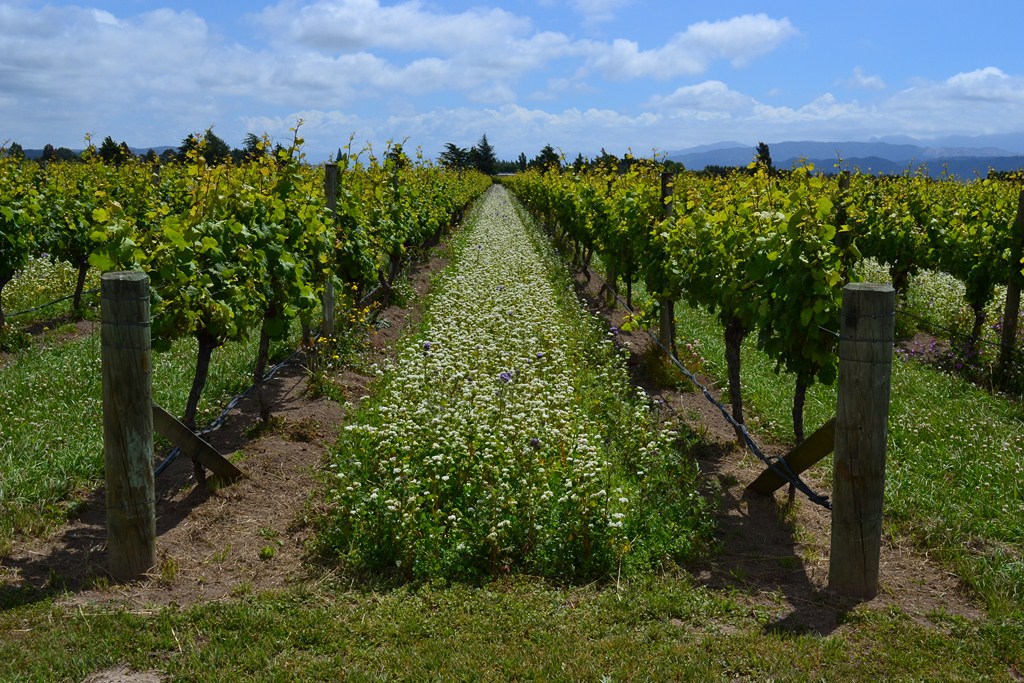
(482, 156)
(215, 150)
(454, 157)
(763, 157)
(124, 153)
(548, 158)
(109, 152)
(254, 146)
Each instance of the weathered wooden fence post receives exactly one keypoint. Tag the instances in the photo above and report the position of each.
(128, 424)
(1008, 340)
(331, 190)
(667, 322)
(862, 418)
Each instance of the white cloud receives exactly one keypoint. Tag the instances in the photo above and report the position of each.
(737, 40)
(988, 84)
(325, 127)
(361, 48)
(599, 11)
(353, 25)
(707, 97)
(380, 69)
(87, 70)
(863, 80)
(91, 70)
(986, 100)
(78, 52)
(825, 108)
(511, 129)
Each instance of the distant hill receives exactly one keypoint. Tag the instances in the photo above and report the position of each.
(137, 151)
(954, 155)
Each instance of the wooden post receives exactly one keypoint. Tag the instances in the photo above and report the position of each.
(1008, 340)
(862, 419)
(128, 424)
(666, 322)
(331, 190)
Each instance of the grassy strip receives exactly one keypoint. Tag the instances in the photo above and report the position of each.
(955, 463)
(506, 435)
(51, 424)
(653, 627)
(656, 629)
(40, 282)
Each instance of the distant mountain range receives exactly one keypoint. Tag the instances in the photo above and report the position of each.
(959, 156)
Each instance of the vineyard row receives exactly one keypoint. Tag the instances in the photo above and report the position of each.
(230, 250)
(770, 253)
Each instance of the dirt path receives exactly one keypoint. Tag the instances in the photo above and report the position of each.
(253, 535)
(773, 552)
(246, 537)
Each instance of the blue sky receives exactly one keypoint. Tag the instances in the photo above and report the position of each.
(581, 75)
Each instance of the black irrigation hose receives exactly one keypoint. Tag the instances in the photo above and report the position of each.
(50, 303)
(218, 422)
(775, 463)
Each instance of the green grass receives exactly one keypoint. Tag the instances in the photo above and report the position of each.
(40, 282)
(51, 426)
(649, 628)
(955, 463)
(654, 629)
(505, 436)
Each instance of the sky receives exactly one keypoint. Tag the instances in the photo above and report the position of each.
(580, 75)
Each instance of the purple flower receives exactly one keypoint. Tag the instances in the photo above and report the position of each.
(505, 376)
(535, 443)
(426, 346)
(614, 330)
(540, 354)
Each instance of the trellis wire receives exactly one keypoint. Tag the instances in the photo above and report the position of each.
(218, 422)
(50, 303)
(776, 464)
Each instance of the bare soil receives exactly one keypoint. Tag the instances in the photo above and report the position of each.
(774, 550)
(216, 543)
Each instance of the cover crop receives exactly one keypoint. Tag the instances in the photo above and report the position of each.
(508, 437)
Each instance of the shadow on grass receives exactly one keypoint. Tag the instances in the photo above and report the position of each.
(75, 559)
(757, 551)
(760, 552)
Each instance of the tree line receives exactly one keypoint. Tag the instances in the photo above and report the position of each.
(215, 150)
(481, 157)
